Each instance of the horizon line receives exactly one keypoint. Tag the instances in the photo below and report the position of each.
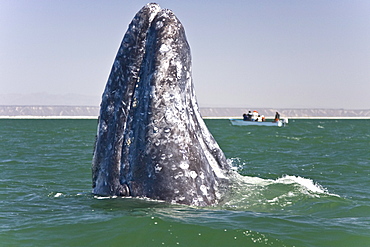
(218, 107)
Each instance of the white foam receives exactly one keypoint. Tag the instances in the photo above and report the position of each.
(304, 185)
(304, 182)
(58, 194)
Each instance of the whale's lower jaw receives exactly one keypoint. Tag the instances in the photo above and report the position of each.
(110, 189)
(171, 191)
(151, 140)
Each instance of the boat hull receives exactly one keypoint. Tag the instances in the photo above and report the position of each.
(241, 122)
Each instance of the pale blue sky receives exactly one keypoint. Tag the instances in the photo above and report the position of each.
(280, 54)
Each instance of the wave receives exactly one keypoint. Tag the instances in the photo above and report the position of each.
(262, 194)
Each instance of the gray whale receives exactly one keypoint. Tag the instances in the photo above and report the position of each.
(151, 139)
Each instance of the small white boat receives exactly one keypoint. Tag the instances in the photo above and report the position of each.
(241, 122)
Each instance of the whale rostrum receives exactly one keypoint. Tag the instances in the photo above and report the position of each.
(151, 139)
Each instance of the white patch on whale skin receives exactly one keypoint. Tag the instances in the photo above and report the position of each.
(193, 174)
(178, 69)
(184, 165)
(128, 142)
(134, 103)
(159, 25)
(197, 201)
(104, 126)
(110, 109)
(164, 48)
(155, 8)
(204, 190)
(157, 168)
(178, 175)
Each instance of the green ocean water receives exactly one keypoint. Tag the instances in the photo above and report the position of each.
(307, 184)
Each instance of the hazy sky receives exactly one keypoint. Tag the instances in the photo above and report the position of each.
(280, 54)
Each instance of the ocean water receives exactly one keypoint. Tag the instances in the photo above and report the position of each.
(307, 184)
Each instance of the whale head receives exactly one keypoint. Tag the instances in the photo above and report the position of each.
(151, 139)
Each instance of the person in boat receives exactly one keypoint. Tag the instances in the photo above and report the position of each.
(245, 117)
(249, 115)
(259, 118)
(277, 117)
(263, 118)
(254, 115)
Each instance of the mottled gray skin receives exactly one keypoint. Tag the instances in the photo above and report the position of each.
(151, 140)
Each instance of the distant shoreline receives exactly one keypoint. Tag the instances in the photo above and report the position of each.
(92, 112)
(49, 117)
(96, 117)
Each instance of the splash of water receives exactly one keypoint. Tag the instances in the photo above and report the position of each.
(259, 194)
